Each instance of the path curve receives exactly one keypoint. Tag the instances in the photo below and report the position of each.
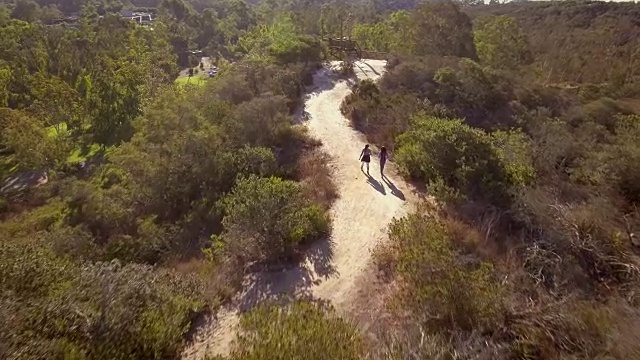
(332, 269)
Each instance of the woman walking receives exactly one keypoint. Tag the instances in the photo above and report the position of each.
(365, 157)
(383, 159)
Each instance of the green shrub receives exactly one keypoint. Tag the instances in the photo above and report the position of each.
(475, 93)
(52, 308)
(260, 121)
(29, 269)
(513, 148)
(125, 312)
(299, 331)
(45, 217)
(381, 116)
(441, 289)
(464, 159)
(266, 218)
(609, 162)
(602, 111)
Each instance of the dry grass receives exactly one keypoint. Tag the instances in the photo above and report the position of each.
(537, 321)
(220, 281)
(315, 175)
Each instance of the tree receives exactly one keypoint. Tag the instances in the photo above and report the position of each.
(33, 145)
(335, 19)
(280, 42)
(5, 77)
(440, 28)
(501, 43)
(49, 13)
(26, 10)
(57, 103)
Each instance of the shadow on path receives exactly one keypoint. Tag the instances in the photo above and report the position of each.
(394, 190)
(290, 283)
(370, 67)
(374, 183)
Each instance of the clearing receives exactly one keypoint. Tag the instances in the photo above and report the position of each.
(334, 269)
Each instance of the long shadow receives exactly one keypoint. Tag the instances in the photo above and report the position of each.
(394, 190)
(289, 283)
(361, 69)
(370, 67)
(374, 183)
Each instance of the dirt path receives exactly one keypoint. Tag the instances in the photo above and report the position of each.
(360, 215)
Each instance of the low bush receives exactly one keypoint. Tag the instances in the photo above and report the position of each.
(302, 330)
(316, 178)
(267, 218)
(438, 287)
(578, 248)
(53, 308)
(576, 329)
(451, 155)
(380, 117)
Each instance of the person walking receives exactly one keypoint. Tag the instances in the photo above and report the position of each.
(383, 159)
(365, 157)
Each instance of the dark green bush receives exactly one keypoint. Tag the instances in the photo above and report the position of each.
(464, 159)
(267, 218)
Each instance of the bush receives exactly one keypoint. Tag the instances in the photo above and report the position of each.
(380, 116)
(42, 218)
(449, 153)
(316, 179)
(52, 308)
(602, 111)
(346, 69)
(577, 329)
(261, 121)
(28, 269)
(440, 289)
(475, 93)
(127, 312)
(299, 331)
(267, 218)
(578, 247)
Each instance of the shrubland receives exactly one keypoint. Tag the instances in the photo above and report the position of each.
(299, 330)
(530, 249)
(118, 252)
(159, 197)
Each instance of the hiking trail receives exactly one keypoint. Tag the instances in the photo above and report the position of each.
(332, 269)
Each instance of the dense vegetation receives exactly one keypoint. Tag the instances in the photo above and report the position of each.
(522, 121)
(530, 252)
(148, 214)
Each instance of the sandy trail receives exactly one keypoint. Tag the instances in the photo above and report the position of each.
(332, 269)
